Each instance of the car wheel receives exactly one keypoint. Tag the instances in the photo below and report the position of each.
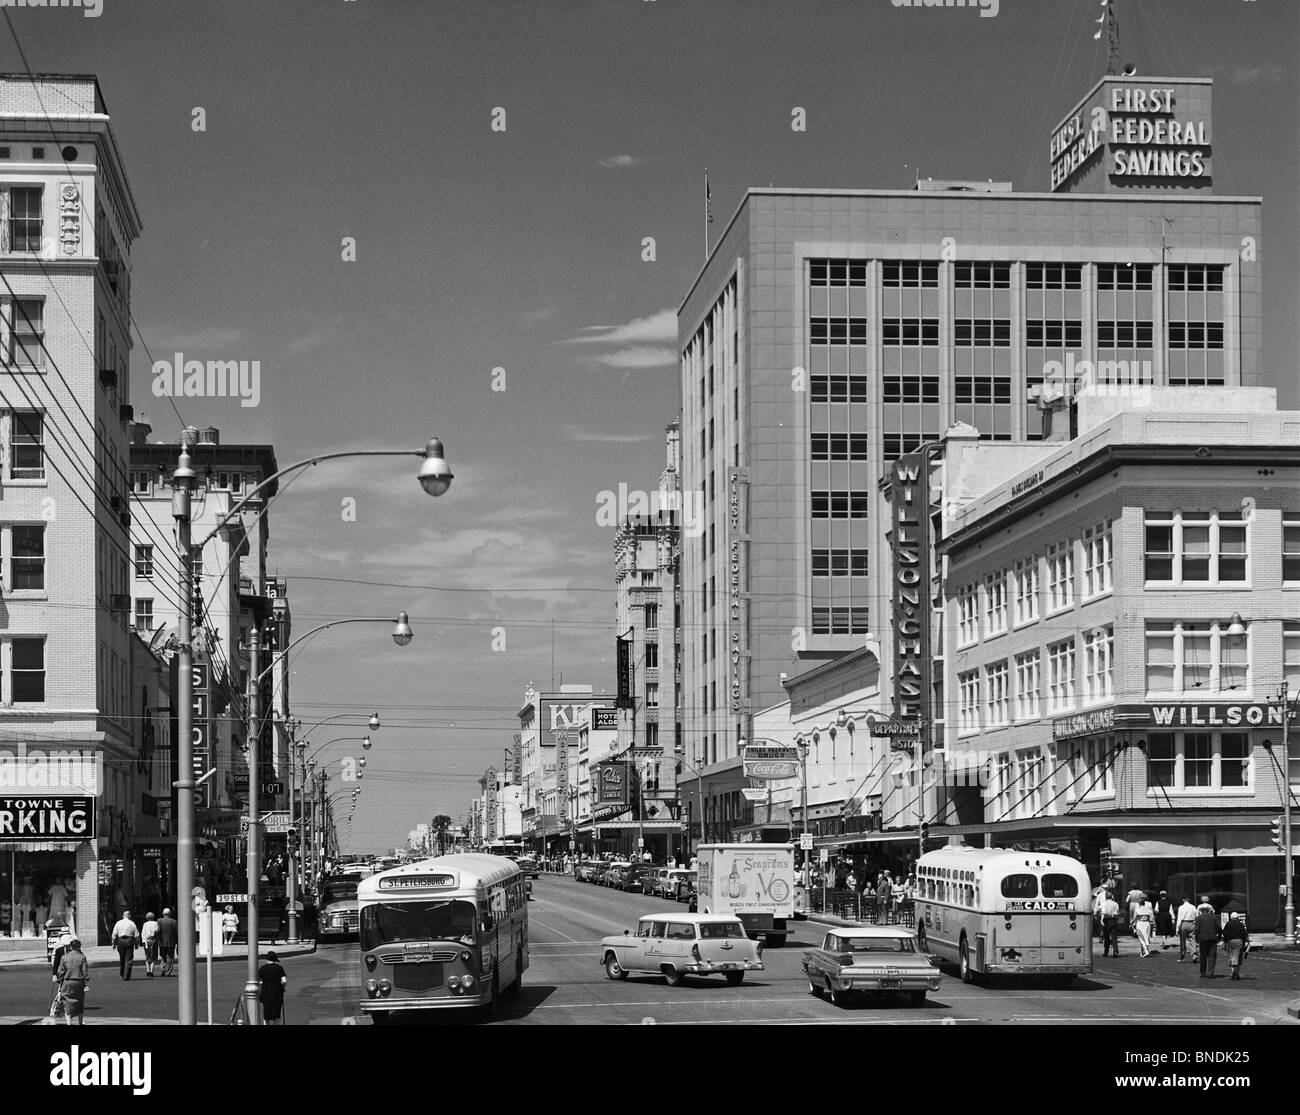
(735, 978)
(967, 976)
(674, 977)
(839, 998)
(613, 969)
(815, 990)
(918, 998)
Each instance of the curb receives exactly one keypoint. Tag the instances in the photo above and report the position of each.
(100, 962)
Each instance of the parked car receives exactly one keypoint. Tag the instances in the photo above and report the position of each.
(685, 891)
(668, 880)
(870, 959)
(680, 945)
(613, 873)
(586, 870)
(634, 876)
(338, 914)
(651, 880)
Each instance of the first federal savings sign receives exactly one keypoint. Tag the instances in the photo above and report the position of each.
(47, 818)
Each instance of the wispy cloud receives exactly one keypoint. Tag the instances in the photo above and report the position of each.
(659, 328)
(637, 356)
(619, 161)
(576, 433)
(308, 342)
(541, 315)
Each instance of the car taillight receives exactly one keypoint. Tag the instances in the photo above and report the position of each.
(760, 948)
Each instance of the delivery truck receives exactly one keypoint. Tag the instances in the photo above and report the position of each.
(755, 882)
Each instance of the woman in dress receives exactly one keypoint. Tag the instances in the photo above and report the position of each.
(1144, 919)
(272, 978)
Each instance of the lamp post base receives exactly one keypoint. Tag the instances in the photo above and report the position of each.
(252, 1005)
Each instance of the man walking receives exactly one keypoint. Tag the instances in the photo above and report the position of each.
(1185, 925)
(167, 942)
(1236, 943)
(884, 895)
(1207, 937)
(125, 935)
(1109, 925)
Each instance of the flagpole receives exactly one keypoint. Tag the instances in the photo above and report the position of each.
(707, 215)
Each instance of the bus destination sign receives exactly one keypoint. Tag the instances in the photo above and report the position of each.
(416, 882)
(1040, 904)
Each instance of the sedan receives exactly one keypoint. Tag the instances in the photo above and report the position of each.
(679, 945)
(651, 881)
(668, 880)
(870, 960)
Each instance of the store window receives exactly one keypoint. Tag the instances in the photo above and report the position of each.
(36, 888)
(1198, 761)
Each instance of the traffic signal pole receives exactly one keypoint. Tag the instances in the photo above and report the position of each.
(254, 822)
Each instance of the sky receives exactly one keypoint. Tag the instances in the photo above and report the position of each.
(499, 298)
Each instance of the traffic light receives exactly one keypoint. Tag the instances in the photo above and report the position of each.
(1277, 834)
(925, 829)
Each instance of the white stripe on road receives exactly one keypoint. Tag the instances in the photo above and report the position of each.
(552, 929)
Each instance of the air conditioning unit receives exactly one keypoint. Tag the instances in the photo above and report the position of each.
(108, 377)
(119, 602)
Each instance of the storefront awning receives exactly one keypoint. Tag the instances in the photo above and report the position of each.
(1172, 845)
(632, 826)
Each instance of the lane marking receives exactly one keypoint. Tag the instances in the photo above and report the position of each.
(552, 929)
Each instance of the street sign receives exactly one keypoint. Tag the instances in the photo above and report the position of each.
(230, 899)
(270, 822)
(806, 841)
(825, 856)
(210, 942)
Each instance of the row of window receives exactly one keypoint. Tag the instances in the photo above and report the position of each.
(1012, 595)
(996, 333)
(841, 621)
(839, 563)
(998, 695)
(996, 275)
(143, 481)
(840, 505)
(854, 447)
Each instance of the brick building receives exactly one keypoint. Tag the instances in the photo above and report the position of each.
(67, 223)
(1119, 614)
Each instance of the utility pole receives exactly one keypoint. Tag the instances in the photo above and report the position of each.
(1288, 928)
(292, 864)
(254, 821)
(182, 484)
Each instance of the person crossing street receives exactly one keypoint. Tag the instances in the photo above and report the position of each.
(125, 937)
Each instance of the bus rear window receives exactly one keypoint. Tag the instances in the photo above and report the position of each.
(1060, 886)
(1020, 886)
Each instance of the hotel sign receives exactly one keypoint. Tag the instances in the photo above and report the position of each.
(604, 719)
(1217, 716)
(47, 818)
(910, 590)
(1083, 723)
(491, 810)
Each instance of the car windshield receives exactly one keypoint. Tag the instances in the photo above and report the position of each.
(713, 931)
(874, 944)
(339, 890)
(388, 922)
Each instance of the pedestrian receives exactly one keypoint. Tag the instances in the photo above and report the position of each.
(1109, 924)
(851, 881)
(1207, 937)
(149, 937)
(1143, 920)
(1131, 901)
(272, 978)
(1185, 927)
(73, 977)
(229, 925)
(1236, 942)
(1164, 918)
(125, 937)
(1098, 900)
(884, 895)
(167, 941)
(56, 1002)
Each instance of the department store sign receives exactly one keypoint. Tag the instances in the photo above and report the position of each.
(1217, 716)
(47, 818)
(50, 770)
(910, 591)
(1083, 723)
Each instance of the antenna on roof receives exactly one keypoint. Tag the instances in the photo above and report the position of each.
(1110, 17)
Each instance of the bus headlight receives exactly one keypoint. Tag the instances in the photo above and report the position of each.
(454, 983)
(370, 963)
(467, 982)
(385, 987)
(466, 956)
(372, 987)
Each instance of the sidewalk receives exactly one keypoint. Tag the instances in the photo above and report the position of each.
(105, 956)
(1258, 941)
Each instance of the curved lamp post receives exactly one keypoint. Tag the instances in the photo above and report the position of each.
(435, 477)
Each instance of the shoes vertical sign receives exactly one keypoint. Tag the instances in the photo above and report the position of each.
(201, 673)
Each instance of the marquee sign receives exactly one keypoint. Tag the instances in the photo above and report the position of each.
(910, 590)
(737, 591)
(47, 818)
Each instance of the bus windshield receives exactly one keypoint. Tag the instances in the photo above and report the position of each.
(388, 922)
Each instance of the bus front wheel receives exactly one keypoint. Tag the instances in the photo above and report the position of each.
(967, 976)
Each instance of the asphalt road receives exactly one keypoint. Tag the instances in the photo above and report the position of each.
(566, 985)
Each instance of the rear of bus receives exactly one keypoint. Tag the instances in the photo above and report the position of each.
(1039, 921)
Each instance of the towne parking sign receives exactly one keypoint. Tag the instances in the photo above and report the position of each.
(47, 818)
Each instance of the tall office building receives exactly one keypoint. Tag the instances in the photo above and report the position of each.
(67, 223)
(831, 331)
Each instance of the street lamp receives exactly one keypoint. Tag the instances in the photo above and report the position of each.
(678, 752)
(435, 478)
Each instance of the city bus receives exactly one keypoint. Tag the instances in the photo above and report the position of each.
(450, 932)
(993, 911)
